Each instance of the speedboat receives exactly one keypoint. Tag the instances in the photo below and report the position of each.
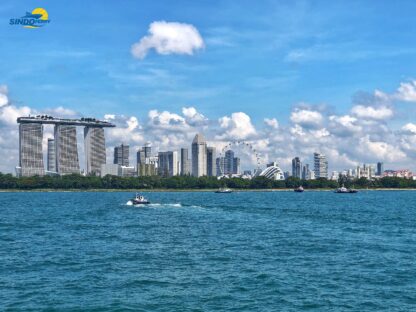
(139, 200)
(299, 189)
(345, 190)
(223, 190)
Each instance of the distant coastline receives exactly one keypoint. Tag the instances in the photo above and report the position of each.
(184, 190)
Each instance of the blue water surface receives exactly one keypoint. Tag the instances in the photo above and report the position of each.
(201, 251)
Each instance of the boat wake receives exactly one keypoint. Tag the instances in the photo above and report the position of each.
(167, 205)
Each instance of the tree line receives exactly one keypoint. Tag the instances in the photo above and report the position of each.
(74, 181)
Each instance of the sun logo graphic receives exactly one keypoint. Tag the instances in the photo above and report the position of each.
(35, 19)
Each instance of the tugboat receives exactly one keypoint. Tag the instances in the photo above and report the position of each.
(223, 190)
(139, 200)
(345, 190)
(299, 189)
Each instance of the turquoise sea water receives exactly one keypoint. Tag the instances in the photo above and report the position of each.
(265, 251)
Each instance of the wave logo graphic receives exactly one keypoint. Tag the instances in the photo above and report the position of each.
(37, 18)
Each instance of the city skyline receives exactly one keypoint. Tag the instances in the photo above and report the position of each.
(293, 78)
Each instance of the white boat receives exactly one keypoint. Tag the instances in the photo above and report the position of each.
(139, 200)
(299, 189)
(224, 190)
(345, 190)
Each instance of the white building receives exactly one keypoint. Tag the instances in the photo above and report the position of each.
(199, 156)
(273, 172)
(110, 169)
(320, 165)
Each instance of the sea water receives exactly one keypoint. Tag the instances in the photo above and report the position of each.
(201, 251)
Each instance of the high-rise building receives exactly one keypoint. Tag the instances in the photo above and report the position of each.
(66, 150)
(185, 170)
(236, 165)
(121, 155)
(229, 162)
(211, 164)
(62, 155)
(149, 167)
(305, 172)
(199, 156)
(94, 149)
(296, 168)
(168, 163)
(220, 164)
(380, 168)
(141, 156)
(147, 149)
(30, 149)
(320, 166)
(51, 159)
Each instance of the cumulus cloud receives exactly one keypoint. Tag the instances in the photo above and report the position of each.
(165, 120)
(407, 91)
(4, 99)
(169, 38)
(344, 125)
(193, 117)
(238, 126)
(272, 123)
(409, 128)
(306, 117)
(370, 112)
(363, 135)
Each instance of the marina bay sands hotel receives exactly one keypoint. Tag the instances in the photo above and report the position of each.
(62, 156)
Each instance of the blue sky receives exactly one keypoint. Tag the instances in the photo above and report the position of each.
(263, 58)
(82, 59)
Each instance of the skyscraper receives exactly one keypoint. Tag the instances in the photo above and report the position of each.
(199, 156)
(95, 156)
(121, 155)
(380, 168)
(168, 163)
(211, 164)
(66, 150)
(62, 154)
(320, 166)
(229, 162)
(51, 159)
(296, 167)
(141, 156)
(185, 170)
(220, 163)
(30, 149)
(236, 165)
(147, 149)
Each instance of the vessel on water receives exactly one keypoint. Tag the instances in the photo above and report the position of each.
(224, 190)
(139, 200)
(344, 190)
(299, 189)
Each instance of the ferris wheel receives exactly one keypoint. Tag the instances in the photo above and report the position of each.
(248, 150)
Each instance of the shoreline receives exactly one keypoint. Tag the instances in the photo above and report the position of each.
(184, 190)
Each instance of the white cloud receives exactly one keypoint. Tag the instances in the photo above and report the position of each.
(370, 112)
(381, 150)
(166, 119)
(306, 117)
(407, 91)
(169, 38)
(193, 117)
(9, 113)
(109, 116)
(409, 128)
(4, 99)
(344, 124)
(272, 123)
(238, 126)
